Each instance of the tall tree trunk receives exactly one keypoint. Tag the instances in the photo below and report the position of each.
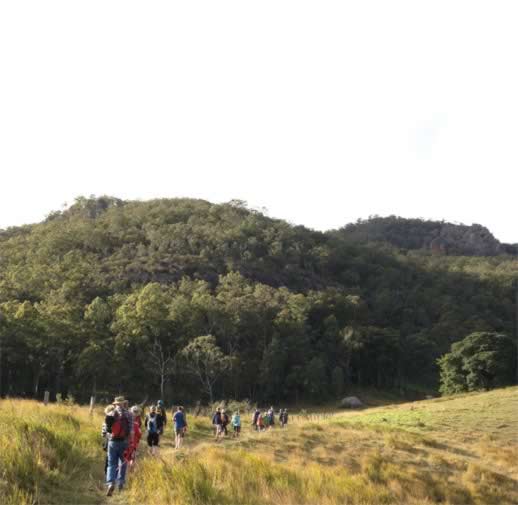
(37, 375)
(378, 376)
(209, 390)
(59, 380)
(347, 369)
(9, 382)
(162, 383)
(235, 381)
(94, 386)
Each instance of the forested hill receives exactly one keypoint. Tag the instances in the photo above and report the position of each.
(439, 237)
(111, 296)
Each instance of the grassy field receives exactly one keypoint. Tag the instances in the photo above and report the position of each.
(458, 450)
(49, 454)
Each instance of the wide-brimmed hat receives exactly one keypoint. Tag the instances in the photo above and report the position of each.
(119, 400)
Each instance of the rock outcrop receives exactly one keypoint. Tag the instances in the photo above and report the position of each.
(351, 402)
(439, 237)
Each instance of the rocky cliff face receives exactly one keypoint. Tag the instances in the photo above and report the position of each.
(475, 240)
(437, 236)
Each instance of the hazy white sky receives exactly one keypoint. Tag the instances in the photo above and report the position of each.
(320, 111)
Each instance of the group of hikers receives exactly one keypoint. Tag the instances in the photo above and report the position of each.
(122, 431)
(266, 420)
(261, 421)
(123, 428)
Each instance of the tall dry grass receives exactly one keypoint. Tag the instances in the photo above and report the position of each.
(459, 450)
(48, 454)
(451, 451)
(234, 476)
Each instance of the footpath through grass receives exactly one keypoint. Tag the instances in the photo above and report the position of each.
(457, 450)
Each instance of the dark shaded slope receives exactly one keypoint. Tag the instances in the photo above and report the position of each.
(439, 237)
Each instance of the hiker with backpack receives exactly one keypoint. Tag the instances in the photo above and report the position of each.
(236, 423)
(266, 420)
(153, 425)
(119, 426)
(260, 422)
(225, 421)
(162, 412)
(271, 417)
(108, 411)
(283, 418)
(180, 427)
(256, 415)
(216, 422)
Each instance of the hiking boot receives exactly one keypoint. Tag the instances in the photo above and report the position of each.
(110, 490)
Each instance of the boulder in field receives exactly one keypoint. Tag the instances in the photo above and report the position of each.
(351, 402)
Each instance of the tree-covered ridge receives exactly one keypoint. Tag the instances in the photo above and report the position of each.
(439, 237)
(164, 240)
(111, 294)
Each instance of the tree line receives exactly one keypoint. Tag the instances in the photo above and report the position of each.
(182, 298)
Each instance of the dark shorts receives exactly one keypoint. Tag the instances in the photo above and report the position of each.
(237, 429)
(152, 439)
(179, 432)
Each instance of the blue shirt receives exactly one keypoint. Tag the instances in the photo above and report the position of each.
(179, 420)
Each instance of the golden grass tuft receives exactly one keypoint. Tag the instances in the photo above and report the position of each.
(223, 476)
(46, 451)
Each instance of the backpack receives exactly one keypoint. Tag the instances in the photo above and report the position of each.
(152, 424)
(120, 427)
(162, 412)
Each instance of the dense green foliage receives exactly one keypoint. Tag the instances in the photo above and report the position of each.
(107, 295)
(480, 361)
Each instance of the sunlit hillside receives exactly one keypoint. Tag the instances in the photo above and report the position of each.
(454, 450)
